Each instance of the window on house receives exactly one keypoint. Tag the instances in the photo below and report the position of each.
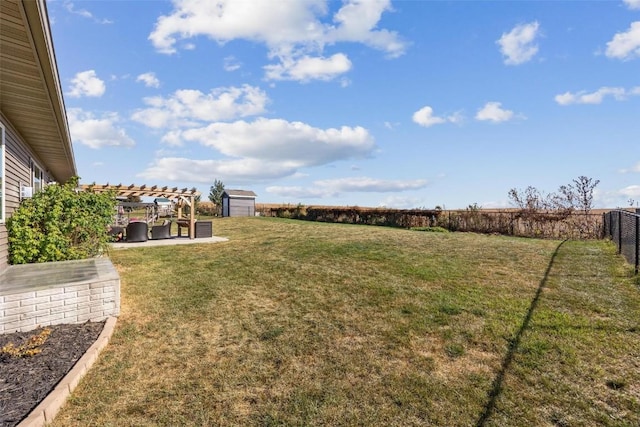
(37, 178)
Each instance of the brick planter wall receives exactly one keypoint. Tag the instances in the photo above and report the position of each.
(35, 295)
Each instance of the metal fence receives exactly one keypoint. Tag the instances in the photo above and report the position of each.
(624, 229)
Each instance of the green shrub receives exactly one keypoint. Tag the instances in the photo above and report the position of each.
(59, 223)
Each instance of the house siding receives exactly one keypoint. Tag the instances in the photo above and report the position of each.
(18, 158)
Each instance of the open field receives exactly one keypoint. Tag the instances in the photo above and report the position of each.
(301, 323)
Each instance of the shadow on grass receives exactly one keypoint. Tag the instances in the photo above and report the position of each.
(496, 388)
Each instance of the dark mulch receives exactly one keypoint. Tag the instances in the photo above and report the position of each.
(26, 381)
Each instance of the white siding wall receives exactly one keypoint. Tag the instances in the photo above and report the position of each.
(18, 158)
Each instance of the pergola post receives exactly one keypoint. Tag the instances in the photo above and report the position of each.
(192, 218)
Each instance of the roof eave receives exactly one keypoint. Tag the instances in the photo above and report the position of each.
(40, 30)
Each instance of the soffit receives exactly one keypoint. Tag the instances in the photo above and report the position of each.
(30, 93)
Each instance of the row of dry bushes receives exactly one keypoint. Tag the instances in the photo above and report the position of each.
(557, 225)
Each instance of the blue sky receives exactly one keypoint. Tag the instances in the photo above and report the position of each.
(403, 104)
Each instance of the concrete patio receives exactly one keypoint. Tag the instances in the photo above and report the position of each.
(167, 242)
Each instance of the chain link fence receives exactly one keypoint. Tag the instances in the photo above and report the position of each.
(623, 228)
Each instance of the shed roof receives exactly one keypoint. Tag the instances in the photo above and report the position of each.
(30, 92)
(241, 193)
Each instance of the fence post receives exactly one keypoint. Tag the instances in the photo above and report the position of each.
(511, 223)
(619, 232)
(635, 243)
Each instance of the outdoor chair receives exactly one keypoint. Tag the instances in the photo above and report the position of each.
(184, 222)
(137, 232)
(116, 233)
(161, 231)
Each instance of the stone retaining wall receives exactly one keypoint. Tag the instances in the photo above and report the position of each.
(46, 294)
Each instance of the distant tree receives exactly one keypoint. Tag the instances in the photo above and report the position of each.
(134, 199)
(535, 205)
(583, 188)
(564, 200)
(631, 202)
(215, 195)
(530, 200)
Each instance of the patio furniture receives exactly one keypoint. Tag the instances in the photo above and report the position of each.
(204, 229)
(116, 233)
(183, 222)
(161, 231)
(137, 232)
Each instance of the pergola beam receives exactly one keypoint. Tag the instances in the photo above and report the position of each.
(153, 191)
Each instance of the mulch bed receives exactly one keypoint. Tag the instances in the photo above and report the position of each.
(26, 381)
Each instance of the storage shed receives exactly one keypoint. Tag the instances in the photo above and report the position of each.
(164, 206)
(238, 203)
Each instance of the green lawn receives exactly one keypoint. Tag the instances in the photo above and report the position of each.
(298, 323)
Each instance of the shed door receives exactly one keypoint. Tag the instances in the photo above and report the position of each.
(225, 206)
(242, 207)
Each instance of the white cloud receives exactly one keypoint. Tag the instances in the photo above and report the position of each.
(518, 45)
(402, 202)
(357, 21)
(206, 171)
(632, 4)
(295, 32)
(309, 68)
(191, 107)
(300, 192)
(86, 83)
(335, 187)
(149, 79)
(261, 150)
(583, 97)
(634, 168)
(424, 117)
(293, 143)
(84, 13)
(365, 184)
(231, 64)
(493, 111)
(630, 191)
(97, 132)
(173, 138)
(625, 45)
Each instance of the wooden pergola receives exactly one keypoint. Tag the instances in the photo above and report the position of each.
(181, 196)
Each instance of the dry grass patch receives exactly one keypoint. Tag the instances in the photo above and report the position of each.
(297, 323)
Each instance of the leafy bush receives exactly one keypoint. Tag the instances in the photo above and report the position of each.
(60, 224)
